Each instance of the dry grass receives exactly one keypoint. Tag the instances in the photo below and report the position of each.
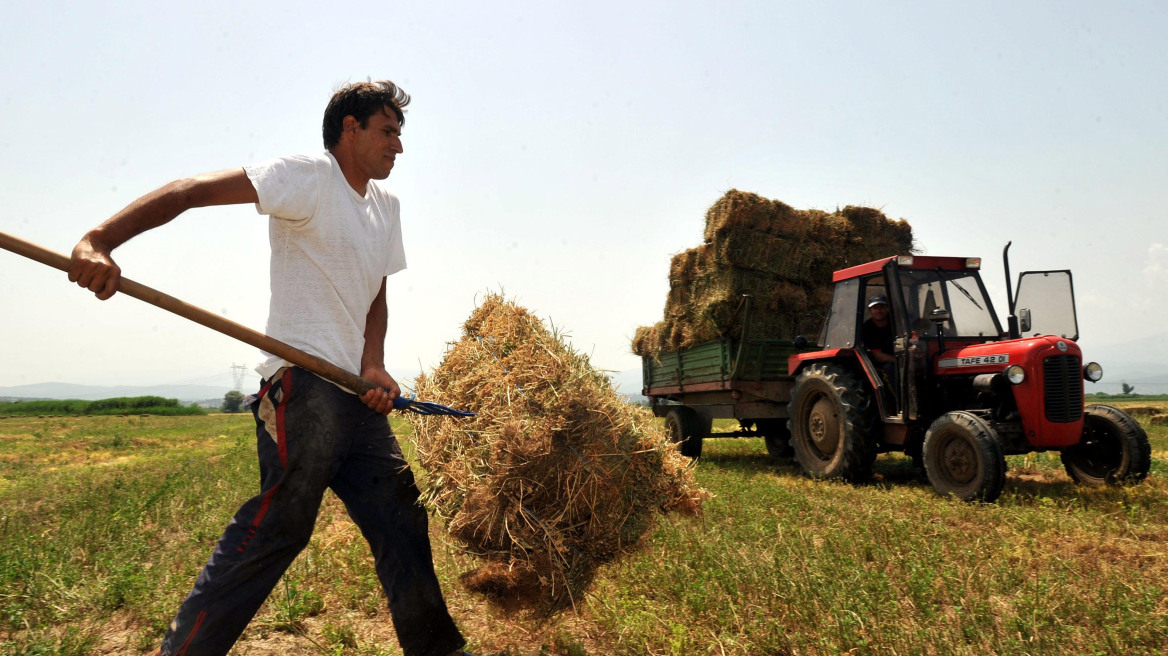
(556, 475)
(95, 560)
(781, 257)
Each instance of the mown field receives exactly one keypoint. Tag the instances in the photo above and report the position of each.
(106, 521)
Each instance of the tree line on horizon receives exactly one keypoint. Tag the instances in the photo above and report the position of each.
(145, 405)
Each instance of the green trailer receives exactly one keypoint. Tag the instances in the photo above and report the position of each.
(747, 380)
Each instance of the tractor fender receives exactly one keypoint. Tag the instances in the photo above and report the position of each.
(844, 356)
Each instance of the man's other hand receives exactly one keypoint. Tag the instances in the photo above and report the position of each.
(92, 267)
(380, 399)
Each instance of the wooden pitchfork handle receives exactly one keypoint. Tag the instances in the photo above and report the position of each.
(322, 368)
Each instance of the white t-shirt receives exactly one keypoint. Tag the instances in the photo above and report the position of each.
(331, 248)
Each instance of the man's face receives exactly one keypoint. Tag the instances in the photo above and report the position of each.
(879, 313)
(376, 145)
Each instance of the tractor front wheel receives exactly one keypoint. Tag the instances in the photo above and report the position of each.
(832, 424)
(684, 428)
(963, 458)
(1114, 449)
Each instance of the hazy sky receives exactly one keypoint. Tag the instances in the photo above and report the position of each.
(562, 152)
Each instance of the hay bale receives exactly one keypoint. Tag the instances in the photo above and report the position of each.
(1143, 410)
(780, 257)
(556, 475)
(784, 257)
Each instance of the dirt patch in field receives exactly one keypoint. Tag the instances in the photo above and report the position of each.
(1093, 553)
(336, 631)
(1034, 477)
(488, 627)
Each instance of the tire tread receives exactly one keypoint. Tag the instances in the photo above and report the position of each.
(857, 417)
(989, 450)
(1135, 443)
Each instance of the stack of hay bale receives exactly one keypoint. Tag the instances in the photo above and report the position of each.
(556, 474)
(781, 257)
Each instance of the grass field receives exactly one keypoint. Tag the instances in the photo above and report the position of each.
(106, 521)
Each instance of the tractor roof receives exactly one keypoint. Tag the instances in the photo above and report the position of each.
(909, 262)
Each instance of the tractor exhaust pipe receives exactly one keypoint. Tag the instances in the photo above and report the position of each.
(1012, 319)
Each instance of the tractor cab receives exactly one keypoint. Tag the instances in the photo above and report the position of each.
(934, 304)
(934, 374)
(943, 325)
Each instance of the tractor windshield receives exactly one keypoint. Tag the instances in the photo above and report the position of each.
(959, 292)
(1050, 297)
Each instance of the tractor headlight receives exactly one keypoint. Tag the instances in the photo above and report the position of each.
(1015, 374)
(1093, 371)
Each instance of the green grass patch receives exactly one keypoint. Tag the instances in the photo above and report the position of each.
(106, 521)
(1104, 397)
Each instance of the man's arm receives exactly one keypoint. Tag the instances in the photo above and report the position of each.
(92, 266)
(373, 357)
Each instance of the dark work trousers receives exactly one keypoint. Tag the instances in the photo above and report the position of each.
(312, 435)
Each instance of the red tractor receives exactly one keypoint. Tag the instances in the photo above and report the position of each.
(960, 393)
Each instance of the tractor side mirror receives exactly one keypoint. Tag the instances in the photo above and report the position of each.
(1024, 323)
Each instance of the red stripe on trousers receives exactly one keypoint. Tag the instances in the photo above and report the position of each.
(187, 643)
(281, 446)
(265, 388)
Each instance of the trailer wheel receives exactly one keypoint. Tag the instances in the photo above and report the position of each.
(1114, 449)
(684, 428)
(963, 458)
(832, 424)
(777, 437)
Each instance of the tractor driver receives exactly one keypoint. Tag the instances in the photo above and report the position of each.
(876, 335)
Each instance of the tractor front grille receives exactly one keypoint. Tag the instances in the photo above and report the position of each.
(1062, 388)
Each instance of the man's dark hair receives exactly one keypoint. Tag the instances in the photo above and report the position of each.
(361, 100)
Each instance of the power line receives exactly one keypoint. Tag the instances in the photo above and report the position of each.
(238, 371)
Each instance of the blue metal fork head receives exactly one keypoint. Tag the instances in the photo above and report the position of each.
(408, 404)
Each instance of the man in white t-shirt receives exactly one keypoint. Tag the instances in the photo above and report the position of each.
(335, 237)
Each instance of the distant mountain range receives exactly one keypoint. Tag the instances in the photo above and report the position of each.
(184, 393)
(1142, 363)
(627, 382)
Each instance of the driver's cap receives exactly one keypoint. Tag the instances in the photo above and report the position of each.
(877, 299)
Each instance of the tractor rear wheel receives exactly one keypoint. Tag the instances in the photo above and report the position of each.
(964, 458)
(832, 424)
(777, 437)
(1114, 449)
(684, 428)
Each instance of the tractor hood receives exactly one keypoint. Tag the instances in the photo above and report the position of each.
(993, 357)
(1050, 395)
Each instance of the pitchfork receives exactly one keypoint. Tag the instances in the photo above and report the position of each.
(318, 366)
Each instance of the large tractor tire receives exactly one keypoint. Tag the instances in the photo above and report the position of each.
(1114, 449)
(832, 424)
(963, 458)
(684, 428)
(777, 437)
